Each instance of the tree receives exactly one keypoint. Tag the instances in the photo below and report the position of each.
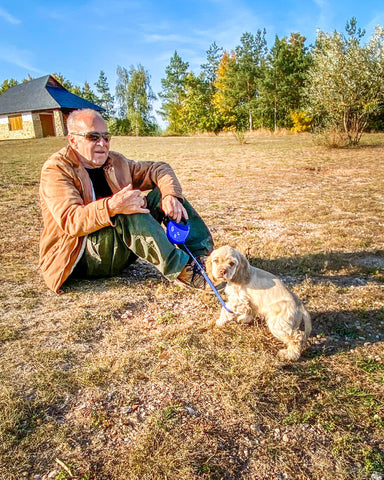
(135, 96)
(105, 100)
(223, 99)
(197, 114)
(214, 54)
(88, 94)
(174, 92)
(282, 90)
(249, 71)
(63, 81)
(239, 80)
(211, 119)
(8, 84)
(346, 80)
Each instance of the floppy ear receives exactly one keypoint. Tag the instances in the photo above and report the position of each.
(243, 270)
(208, 267)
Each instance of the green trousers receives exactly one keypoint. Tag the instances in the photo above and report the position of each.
(109, 250)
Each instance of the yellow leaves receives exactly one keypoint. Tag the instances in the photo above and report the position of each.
(302, 121)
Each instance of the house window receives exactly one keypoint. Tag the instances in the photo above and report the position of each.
(15, 122)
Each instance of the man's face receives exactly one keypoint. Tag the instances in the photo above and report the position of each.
(92, 154)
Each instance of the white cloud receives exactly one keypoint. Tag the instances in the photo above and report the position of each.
(8, 17)
(171, 37)
(377, 20)
(20, 58)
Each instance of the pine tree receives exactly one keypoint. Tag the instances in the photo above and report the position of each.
(63, 81)
(239, 80)
(8, 84)
(282, 90)
(249, 73)
(88, 94)
(214, 54)
(105, 100)
(174, 92)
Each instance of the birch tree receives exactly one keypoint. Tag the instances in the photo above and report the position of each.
(135, 97)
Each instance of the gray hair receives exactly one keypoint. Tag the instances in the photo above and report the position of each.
(76, 117)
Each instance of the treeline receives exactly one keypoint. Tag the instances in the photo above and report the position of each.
(334, 86)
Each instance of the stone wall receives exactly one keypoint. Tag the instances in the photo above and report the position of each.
(31, 126)
(28, 130)
(59, 123)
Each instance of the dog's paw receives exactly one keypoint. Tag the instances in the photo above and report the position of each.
(220, 322)
(288, 354)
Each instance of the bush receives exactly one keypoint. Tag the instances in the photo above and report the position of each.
(332, 137)
(302, 121)
(119, 126)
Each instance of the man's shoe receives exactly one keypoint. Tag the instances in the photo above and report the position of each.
(192, 276)
(202, 259)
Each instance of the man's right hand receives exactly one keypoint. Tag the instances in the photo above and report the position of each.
(126, 201)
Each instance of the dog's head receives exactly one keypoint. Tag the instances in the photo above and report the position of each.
(229, 265)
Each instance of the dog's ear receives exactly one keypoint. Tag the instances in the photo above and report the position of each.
(243, 270)
(208, 267)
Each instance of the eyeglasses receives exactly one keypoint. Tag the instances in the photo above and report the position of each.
(94, 136)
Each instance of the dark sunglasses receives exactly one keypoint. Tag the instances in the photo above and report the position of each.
(94, 136)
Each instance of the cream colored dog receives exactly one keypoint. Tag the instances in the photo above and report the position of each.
(253, 292)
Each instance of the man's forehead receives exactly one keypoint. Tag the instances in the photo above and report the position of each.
(91, 122)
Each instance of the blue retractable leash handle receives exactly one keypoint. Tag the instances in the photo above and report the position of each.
(177, 233)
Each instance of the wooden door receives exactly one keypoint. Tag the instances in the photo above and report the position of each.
(47, 124)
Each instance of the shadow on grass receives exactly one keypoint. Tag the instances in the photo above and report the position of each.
(345, 330)
(336, 330)
(364, 263)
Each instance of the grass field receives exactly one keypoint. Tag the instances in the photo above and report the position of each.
(128, 377)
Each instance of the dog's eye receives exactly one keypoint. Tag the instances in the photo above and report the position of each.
(231, 264)
(215, 260)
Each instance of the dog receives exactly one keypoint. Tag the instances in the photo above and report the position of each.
(254, 292)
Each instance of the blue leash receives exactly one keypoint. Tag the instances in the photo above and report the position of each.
(177, 233)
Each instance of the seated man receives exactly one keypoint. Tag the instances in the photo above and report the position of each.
(96, 218)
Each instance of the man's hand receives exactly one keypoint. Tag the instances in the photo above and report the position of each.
(127, 201)
(173, 208)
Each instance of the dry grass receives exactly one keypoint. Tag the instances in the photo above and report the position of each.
(128, 378)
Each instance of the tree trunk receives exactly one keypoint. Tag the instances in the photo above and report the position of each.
(275, 114)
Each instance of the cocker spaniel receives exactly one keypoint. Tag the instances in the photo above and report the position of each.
(254, 292)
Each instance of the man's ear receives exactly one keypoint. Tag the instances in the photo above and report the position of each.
(72, 140)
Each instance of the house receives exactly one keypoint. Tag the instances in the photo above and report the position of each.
(38, 108)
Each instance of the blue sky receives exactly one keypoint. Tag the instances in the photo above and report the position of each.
(80, 38)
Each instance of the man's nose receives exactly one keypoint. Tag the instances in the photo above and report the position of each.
(102, 141)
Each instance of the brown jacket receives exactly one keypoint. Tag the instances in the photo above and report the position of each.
(69, 212)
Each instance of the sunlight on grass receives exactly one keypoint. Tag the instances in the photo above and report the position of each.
(129, 378)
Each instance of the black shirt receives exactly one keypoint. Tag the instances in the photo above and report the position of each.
(99, 182)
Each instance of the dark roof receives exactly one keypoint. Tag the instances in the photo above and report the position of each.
(44, 93)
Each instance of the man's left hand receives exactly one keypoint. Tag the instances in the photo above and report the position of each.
(173, 208)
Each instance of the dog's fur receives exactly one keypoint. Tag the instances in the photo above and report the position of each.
(254, 292)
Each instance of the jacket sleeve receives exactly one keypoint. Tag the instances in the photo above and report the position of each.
(60, 191)
(146, 175)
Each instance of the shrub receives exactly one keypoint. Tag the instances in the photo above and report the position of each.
(302, 121)
(119, 126)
